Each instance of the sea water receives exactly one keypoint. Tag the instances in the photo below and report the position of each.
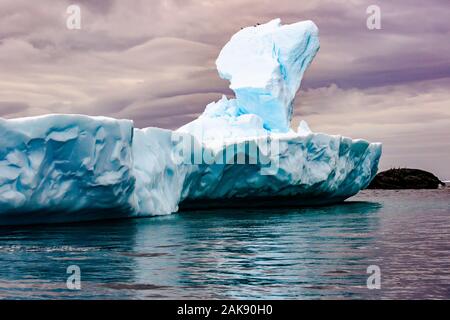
(289, 253)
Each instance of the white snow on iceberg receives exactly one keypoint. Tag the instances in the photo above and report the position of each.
(61, 168)
(265, 66)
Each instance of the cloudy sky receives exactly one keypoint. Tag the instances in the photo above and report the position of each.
(153, 62)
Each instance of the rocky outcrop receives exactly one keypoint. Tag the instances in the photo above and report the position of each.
(405, 179)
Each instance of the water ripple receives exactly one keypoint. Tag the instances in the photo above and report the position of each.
(297, 253)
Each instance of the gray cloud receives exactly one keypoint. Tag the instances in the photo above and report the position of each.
(12, 107)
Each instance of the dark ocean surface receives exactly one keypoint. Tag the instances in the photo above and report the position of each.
(295, 253)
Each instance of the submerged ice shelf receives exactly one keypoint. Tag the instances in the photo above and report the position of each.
(63, 168)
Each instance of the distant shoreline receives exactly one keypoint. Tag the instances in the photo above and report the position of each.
(406, 178)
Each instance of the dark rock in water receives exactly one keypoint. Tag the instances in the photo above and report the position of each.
(405, 179)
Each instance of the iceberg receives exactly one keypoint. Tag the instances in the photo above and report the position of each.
(240, 151)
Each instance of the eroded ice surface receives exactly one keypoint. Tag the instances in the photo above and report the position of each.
(57, 165)
(312, 169)
(160, 179)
